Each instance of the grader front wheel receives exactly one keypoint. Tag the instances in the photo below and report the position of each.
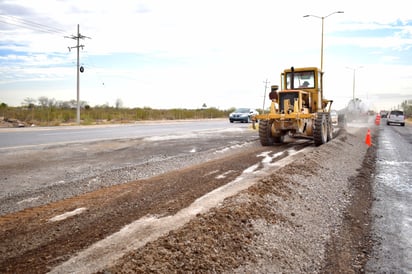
(265, 134)
(320, 133)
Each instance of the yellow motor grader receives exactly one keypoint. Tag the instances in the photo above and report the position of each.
(298, 109)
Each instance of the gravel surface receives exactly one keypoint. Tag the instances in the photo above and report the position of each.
(303, 218)
(308, 213)
(50, 173)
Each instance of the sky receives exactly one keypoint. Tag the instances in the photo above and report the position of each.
(190, 53)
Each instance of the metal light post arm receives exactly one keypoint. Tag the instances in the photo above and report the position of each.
(321, 41)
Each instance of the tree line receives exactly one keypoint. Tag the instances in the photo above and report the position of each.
(50, 112)
(407, 108)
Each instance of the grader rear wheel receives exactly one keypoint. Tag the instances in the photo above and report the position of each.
(320, 133)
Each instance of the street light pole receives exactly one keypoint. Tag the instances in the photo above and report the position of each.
(321, 41)
(321, 46)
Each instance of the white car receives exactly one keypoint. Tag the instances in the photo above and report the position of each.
(395, 117)
(243, 115)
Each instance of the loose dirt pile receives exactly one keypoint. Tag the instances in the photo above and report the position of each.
(311, 216)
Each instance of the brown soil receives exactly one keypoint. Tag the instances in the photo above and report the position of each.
(280, 224)
(222, 240)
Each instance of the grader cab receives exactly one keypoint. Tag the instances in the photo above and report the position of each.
(298, 109)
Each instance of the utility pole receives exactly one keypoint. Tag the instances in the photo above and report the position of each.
(78, 46)
(264, 96)
(353, 81)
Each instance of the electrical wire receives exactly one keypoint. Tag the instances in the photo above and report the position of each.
(20, 22)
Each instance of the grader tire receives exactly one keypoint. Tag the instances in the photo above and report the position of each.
(265, 134)
(330, 127)
(320, 133)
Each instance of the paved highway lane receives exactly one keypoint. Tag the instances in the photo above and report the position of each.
(392, 212)
(22, 137)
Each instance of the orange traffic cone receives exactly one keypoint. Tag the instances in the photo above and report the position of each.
(368, 140)
(378, 120)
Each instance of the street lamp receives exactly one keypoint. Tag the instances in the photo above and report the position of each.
(353, 81)
(321, 43)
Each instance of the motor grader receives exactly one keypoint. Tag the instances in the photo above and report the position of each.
(297, 109)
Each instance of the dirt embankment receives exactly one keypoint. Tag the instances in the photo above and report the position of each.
(311, 216)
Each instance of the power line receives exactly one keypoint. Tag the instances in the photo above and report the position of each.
(24, 23)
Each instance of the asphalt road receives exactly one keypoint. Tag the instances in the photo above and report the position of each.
(22, 137)
(392, 214)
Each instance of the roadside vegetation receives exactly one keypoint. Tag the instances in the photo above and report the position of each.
(49, 112)
(407, 110)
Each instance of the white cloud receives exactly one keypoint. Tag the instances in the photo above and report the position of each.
(195, 52)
